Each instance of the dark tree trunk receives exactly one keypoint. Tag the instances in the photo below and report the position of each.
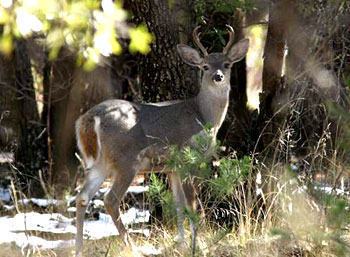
(10, 125)
(22, 124)
(162, 75)
(31, 152)
(272, 71)
(58, 76)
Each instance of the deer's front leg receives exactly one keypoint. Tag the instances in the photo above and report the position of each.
(184, 196)
(190, 192)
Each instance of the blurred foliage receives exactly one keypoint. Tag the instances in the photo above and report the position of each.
(90, 27)
(312, 216)
(137, 35)
(341, 114)
(338, 214)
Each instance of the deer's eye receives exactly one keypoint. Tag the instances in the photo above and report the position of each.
(227, 65)
(205, 67)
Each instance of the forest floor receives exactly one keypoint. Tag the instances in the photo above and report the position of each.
(297, 220)
(37, 227)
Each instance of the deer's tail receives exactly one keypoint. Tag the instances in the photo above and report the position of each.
(86, 128)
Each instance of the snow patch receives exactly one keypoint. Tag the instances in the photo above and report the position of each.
(13, 229)
(5, 194)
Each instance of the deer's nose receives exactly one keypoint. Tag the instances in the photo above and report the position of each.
(218, 76)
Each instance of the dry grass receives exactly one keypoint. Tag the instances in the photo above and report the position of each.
(300, 218)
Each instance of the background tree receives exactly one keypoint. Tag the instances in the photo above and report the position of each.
(21, 129)
(299, 76)
(162, 74)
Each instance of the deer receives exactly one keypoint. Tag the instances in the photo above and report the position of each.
(120, 139)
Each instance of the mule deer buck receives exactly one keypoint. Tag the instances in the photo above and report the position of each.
(120, 139)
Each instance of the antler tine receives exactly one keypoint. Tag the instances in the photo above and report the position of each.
(232, 37)
(198, 42)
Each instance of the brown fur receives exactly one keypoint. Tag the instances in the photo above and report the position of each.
(87, 137)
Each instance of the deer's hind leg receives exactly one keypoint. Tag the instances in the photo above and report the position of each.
(123, 177)
(190, 191)
(93, 181)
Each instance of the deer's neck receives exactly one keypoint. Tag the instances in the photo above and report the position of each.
(213, 103)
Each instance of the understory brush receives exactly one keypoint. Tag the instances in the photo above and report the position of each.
(262, 207)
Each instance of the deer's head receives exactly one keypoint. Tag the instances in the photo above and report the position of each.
(216, 67)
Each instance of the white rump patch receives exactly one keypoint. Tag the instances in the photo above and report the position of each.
(97, 129)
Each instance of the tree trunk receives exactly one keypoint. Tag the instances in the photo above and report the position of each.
(10, 115)
(22, 125)
(162, 75)
(296, 100)
(272, 70)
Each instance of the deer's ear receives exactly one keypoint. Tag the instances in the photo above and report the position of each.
(189, 55)
(238, 50)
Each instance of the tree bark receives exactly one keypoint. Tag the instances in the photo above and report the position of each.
(272, 71)
(22, 125)
(162, 75)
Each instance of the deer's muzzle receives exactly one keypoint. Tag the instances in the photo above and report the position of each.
(218, 76)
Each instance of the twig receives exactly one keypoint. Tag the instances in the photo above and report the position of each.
(48, 127)
(42, 183)
(15, 196)
(194, 239)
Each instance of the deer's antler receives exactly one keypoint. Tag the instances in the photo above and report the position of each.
(230, 42)
(195, 35)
